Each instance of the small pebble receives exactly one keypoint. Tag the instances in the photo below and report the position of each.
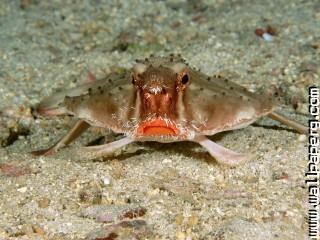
(105, 218)
(193, 220)
(268, 37)
(44, 202)
(302, 138)
(259, 32)
(38, 230)
(180, 236)
(267, 34)
(118, 169)
(106, 181)
(22, 190)
(27, 229)
(166, 160)
(179, 219)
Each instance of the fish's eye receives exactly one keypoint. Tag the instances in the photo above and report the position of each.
(133, 80)
(185, 79)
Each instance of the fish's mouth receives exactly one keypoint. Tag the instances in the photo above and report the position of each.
(157, 127)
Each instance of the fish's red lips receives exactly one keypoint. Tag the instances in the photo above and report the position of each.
(157, 127)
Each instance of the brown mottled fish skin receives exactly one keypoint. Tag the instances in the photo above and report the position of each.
(216, 104)
(107, 103)
(206, 106)
(162, 99)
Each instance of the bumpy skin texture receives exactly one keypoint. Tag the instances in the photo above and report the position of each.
(161, 99)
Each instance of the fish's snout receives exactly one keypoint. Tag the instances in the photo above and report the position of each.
(154, 87)
(158, 102)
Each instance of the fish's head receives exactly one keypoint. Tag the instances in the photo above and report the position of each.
(160, 90)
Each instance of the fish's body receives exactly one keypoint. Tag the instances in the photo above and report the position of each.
(161, 99)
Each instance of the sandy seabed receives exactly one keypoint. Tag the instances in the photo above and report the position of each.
(154, 190)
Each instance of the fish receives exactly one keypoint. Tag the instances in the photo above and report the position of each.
(165, 100)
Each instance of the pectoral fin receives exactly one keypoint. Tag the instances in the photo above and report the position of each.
(105, 149)
(221, 154)
(74, 133)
